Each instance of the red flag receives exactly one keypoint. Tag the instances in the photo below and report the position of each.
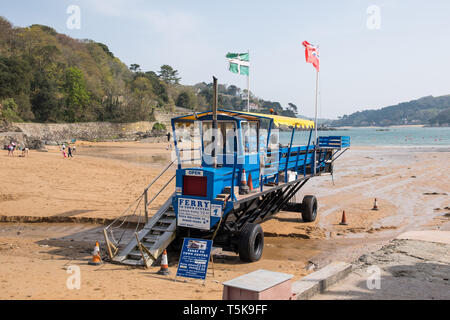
(312, 54)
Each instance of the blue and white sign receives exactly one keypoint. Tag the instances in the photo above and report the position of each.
(216, 210)
(194, 258)
(194, 213)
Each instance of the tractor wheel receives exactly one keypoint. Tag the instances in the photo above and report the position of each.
(309, 208)
(251, 242)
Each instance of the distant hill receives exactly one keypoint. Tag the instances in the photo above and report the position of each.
(428, 110)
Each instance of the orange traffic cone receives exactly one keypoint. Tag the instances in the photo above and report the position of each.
(243, 188)
(164, 265)
(250, 182)
(96, 259)
(343, 220)
(375, 207)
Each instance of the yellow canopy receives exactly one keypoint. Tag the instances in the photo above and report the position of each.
(282, 120)
(277, 120)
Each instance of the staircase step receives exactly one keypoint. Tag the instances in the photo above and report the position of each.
(164, 229)
(148, 244)
(150, 238)
(132, 262)
(170, 214)
(222, 197)
(136, 255)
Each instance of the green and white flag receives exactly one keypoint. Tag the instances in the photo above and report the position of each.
(239, 63)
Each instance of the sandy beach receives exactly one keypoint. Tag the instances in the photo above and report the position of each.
(411, 185)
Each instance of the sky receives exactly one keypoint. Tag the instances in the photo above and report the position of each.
(373, 53)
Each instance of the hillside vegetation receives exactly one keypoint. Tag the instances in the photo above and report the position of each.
(46, 76)
(49, 77)
(427, 110)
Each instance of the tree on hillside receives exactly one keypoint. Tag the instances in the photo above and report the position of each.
(44, 99)
(141, 102)
(293, 107)
(183, 100)
(77, 96)
(7, 34)
(233, 90)
(105, 49)
(158, 86)
(15, 79)
(9, 110)
(443, 118)
(135, 67)
(169, 75)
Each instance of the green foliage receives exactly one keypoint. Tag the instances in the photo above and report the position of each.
(15, 79)
(46, 29)
(54, 78)
(183, 100)
(44, 99)
(169, 75)
(9, 110)
(105, 49)
(293, 107)
(159, 127)
(233, 90)
(442, 119)
(186, 99)
(77, 96)
(135, 67)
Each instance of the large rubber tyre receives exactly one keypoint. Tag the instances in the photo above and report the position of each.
(251, 243)
(309, 209)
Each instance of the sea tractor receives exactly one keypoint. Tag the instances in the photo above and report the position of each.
(235, 170)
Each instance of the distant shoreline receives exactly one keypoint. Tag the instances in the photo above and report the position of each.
(376, 127)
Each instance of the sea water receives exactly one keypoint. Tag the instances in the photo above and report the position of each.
(391, 136)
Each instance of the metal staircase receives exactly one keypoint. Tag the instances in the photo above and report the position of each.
(152, 240)
(143, 245)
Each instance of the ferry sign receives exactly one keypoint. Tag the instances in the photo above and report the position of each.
(194, 213)
(194, 258)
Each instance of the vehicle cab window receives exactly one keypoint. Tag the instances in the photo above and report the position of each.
(225, 141)
(250, 137)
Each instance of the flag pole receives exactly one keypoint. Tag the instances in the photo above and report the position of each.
(315, 122)
(248, 84)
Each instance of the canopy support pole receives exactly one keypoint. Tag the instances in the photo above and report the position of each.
(214, 123)
(289, 155)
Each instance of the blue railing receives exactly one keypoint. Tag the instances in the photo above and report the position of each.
(334, 142)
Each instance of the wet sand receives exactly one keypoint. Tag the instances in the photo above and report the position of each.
(411, 187)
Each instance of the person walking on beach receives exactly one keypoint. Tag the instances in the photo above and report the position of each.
(69, 152)
(13, 148)
(169, 146)
(63, 150)
(10, 150)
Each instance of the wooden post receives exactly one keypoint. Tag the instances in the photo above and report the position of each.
(140, 246)
(108, 244)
